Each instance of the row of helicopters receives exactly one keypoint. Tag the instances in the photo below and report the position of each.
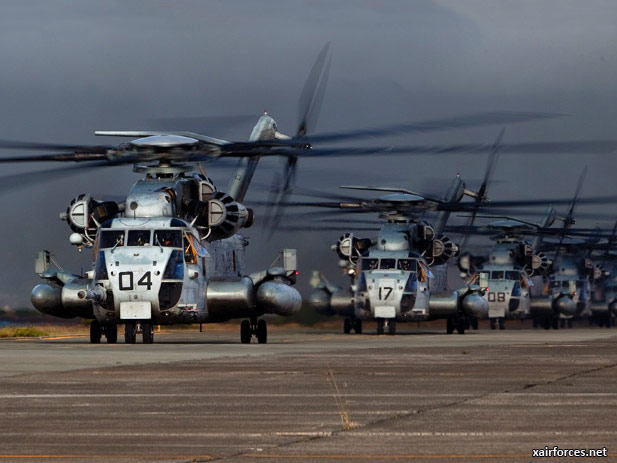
(172, 251)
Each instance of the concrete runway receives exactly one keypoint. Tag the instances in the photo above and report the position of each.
(310, 396)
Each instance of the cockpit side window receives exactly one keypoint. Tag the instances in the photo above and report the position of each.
(513, 275)
(190, 256)
(483, 279)
(138, 238)
(369, 264)
(112, 238)
(387, 264)
(408, 265)
(168, 238)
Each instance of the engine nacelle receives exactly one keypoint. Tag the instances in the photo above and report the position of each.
(538, 264)
(442, 250)
(350, 248)
(338, 302)
(62, 301)
(226, 216)
(85, 214)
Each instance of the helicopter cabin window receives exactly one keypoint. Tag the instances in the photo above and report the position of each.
(408, 265)
(112, 238)
(190, 256)
(369, 264)
(138, 238)
(387, 264)
(168, 238)
(512, 275)
(497, 275)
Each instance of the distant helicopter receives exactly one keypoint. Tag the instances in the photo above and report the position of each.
(395, 277)
(506, 273)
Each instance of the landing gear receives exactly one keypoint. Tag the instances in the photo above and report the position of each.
(389, 323)
(253, 327)
(352, 323)
(262, 332)
(450, 325)
(555, 323)
(245, 332)
(130, 332)
(391, 326)
(148, 332)
(111, 333)
(460, 326)
(474, 323)
(95, 332)
(498, 321)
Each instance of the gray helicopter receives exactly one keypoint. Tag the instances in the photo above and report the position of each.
(505, 274)
(395, 277)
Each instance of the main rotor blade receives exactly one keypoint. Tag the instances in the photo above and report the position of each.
(73, 157)
(313, 92)
(435, 125)
(27, 145)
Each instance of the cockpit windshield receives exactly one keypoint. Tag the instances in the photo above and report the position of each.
(370, 264)
(168, 238)
(138, 238)
(497, 275)
(112, 238)
(387, 264)
(513, 275)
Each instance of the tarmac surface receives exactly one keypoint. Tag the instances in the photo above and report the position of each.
(311, 396)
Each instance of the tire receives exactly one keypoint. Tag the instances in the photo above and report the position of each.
(502, 324)
(262, 332)
(449, 326)
(357, 326)
(460, 326)
(245, 332)
(493, 323)
(111, 334)
(555, 323)
(392, 326)
(347, 326)
(148, 332)
(380, 326)
(129, 333)
(95, 332)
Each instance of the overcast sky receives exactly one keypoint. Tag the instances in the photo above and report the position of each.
(72, 67)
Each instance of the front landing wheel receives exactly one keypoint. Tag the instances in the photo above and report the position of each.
(130, 332)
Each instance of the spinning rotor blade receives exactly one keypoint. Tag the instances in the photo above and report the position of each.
(435, 125)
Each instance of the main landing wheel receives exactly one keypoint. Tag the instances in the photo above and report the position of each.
(111, 333)
(245, 332)
(130, 332)
(392, 326)
(357, 326)
(380, 325)
(460, 326)
(347, 326)
(450, 325)
(262, 332)
(95, 332)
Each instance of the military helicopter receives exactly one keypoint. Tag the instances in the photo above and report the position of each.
(506, 273)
